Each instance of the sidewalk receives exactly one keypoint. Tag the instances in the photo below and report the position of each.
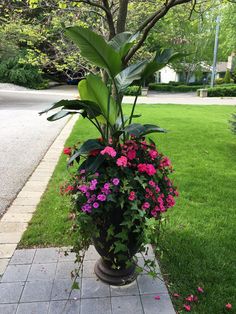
(38, 281)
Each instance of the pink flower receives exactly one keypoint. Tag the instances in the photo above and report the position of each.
(150, 170)
(115, 181)
(154, 213)
(122, 161)
(165, 162)
(187, 308)
(152, 183)
(190, 298)
(95, 205)
(199, 289)
(109, 151)
(176, 295)
(153, 153)
(157, 297)
(67, 150)
(132, 196)
(228, 306)
(131, 154)
(145, 205)
(142, 167)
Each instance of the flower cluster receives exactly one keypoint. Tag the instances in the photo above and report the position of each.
(134, 173)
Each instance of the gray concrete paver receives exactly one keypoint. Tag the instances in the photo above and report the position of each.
(96, 305)
(33, 308)
(23, 256)
(50, 255)
(16, 273)
(131, 289)
(147, 285)
(62, 290)
(64, 307)
(153, 306)
(8, 308)
(37, 291)
(10, 292)
(42, 272)
(92, 288)
(126, 304)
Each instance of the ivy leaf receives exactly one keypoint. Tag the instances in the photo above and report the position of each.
(75, 285)
(120, 247)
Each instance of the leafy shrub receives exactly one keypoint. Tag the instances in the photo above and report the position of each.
(171, 88)
(227, 78)
(132, 91)
(11, 71)
(222, 91)
(219, 81)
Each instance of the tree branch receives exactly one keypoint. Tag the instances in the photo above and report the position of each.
(94, 4)
(149, 24)
(110, 21)
(122, 15)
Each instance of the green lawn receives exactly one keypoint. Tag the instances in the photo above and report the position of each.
(198, 243)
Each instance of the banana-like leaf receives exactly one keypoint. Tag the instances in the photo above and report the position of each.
(122, 42)
(93, 89)
(59, 115)
(89, 146)
(129, 74)
(161, 59)
(139, 130)
(94, 48)
(91, 164)
(85, 148)
(90, 109)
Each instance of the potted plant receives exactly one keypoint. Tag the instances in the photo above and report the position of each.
(122, 184)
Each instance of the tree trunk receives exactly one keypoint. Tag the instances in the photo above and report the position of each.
(122, 16)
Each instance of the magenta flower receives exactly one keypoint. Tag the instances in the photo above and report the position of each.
(106, 186)
(83, 188)
(157, 297)
(101, 197)
(150, 170)
(96, 205)
(109, 151)
(122, 161)
(145, 205)
(153, 153)
(131, 154)
(152, 183)
(115, 181)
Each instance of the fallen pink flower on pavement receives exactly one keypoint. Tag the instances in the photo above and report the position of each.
(157, 297)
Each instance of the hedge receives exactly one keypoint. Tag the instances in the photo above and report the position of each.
(222, 91)
(132, 91)
(171, 88)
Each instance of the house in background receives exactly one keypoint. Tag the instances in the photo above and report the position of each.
(168, 74)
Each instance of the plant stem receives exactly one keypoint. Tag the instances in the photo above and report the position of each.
(108, 111)
(134, 104)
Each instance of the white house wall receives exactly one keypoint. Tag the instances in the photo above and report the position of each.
(167, 74)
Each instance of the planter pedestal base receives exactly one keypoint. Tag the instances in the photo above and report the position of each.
(116, 277)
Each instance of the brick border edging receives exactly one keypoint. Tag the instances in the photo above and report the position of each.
(15, 221)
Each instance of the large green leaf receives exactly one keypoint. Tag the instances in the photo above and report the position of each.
(129, 74)
(138, 129)
(89, 108)
(122, 42)
(94, 48)
(85, 148)
(94, 89)
(161, 59)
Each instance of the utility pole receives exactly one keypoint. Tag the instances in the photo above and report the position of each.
(215, 51)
